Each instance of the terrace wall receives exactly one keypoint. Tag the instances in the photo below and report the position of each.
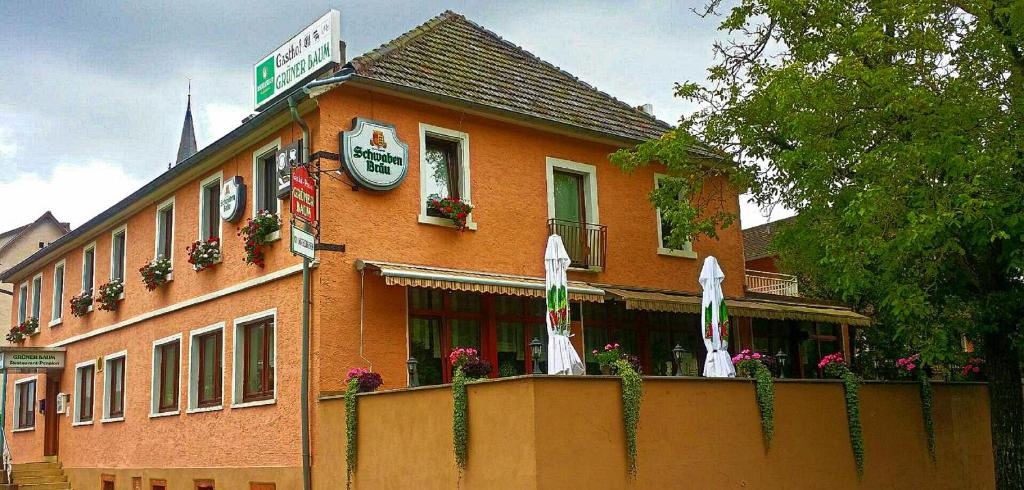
(554, 432)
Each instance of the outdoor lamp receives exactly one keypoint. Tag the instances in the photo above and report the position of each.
(781, 357)
(535, 350)
(414, 377)
(677, 354)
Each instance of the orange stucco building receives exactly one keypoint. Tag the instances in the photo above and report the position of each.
(197, 382)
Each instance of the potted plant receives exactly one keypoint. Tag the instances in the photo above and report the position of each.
(80, 304)
(109, 294)
(256, 233)
(359, 380)
(759, 366)
(467, 360)
(452, 208)
(21, 331)
(204, 254)
(156, 273)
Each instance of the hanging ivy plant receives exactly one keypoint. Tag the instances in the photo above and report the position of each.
(834, 365)
(460, 419)
(632, 392)
(755, 365)
(351, 423)
(926, 413)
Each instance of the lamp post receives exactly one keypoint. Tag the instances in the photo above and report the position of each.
(677, 355)
(781, 357)
(535, 351)
(414, 376)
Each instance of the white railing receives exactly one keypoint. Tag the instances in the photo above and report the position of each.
(8, 460)
(771, 283)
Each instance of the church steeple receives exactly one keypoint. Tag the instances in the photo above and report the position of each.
(187, 146)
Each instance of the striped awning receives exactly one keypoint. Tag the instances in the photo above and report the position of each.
(474, 281)
(754, 308)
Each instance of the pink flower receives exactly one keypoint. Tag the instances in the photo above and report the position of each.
(976, 369)
(911, 366)
(757, 355)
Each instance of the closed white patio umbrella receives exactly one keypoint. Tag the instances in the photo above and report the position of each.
(562, 357)
(715, 322)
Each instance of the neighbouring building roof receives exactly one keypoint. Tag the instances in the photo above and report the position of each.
(757, 240)
(9, 237)
(452, 56)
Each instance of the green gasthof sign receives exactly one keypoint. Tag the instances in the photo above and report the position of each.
(265, 80)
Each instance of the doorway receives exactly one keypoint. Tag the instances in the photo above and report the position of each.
(51, 422)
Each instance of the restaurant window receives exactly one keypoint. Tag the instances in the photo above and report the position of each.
(118, 241)
(265, 183)
(665, 231)
(774, 336)
(254, 359)
(444, 172)
(165, 230)
(25, 404)
(107, 482)
(817, 341)
(438, 322)
(85, 383)
(22, 303)
(166, 362)
(609, 323)
(663, 331)
(157, 484)
(205, 369)
(113, 386)
(37, 295)
(89, 269)
(519, 320)
(209, 208)
(57, 304)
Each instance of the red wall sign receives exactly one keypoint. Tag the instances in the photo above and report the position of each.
(303, 195)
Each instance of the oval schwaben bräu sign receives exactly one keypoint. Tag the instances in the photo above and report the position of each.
(374, 156)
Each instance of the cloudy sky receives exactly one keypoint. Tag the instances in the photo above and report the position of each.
(95, 90)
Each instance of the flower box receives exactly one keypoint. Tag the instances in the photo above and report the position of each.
(204, 254)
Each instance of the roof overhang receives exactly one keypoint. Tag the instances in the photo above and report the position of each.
(474, 281)
(782, 309)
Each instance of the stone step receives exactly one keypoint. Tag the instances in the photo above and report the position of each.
(40, 479)
(36, 465)
(44, 486)
(18, 474)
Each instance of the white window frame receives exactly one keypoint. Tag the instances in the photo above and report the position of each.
(238, 359)
(257, 180)
(203, 184)
(36, 302)
(687, 250)
(193, 368)
(124, 260)
(57, 304)
(15, 418)
(589, 172)
(78, 394)
(465, 183)
(154, 402)
(23, 302)
(174, 226)
(107, 387)
(92, 287)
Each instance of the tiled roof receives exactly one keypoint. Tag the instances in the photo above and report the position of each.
(757, 240)
(452, 56)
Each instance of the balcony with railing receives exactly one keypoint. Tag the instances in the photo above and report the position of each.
(586, 243)
(771, 283)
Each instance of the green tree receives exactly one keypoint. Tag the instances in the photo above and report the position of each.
(894, 129)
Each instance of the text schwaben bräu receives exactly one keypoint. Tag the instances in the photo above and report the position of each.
(377, 161)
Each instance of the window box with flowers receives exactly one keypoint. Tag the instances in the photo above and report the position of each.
(451, 208)
(156, 273)
(20, 332)
(204, 254)
(109, 294)
(257, 233)
(81, 305)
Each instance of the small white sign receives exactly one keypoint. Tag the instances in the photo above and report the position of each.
(303, 243)
(232, 199)
(374, 156)
(298, 60)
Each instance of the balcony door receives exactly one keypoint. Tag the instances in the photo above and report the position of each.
(571, 215)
